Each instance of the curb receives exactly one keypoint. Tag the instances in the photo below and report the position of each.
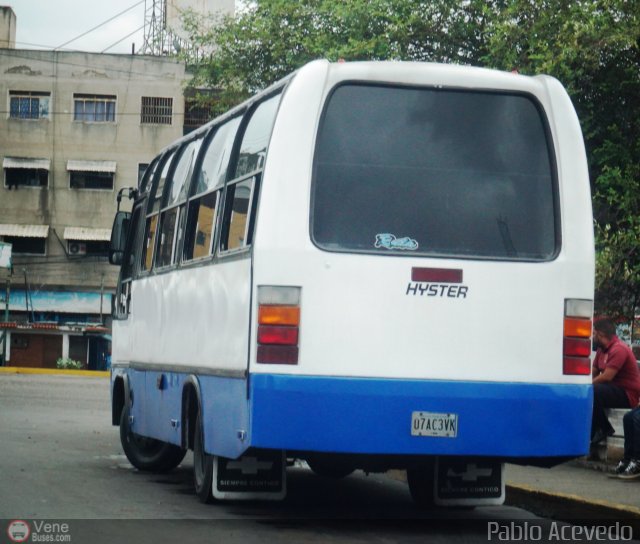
(563, 505)
(54, 371)
(573, 509)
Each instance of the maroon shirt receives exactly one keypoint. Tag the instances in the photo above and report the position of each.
(619, 356)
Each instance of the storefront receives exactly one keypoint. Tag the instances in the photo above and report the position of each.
(46, 326)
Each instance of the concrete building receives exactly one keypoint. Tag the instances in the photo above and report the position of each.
(75, 128)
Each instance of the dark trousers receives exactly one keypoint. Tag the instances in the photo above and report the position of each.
(631, 423)
(606, 395)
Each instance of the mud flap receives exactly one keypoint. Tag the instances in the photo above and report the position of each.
(468, 482)
(257, 475)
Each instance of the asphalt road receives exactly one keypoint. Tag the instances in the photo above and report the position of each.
(61, 460)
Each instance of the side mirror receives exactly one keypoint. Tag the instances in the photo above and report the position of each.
(119, 237)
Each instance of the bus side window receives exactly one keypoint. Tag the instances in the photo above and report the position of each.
(200, 228)
(238, 201)
(155, 200)
(203, 207)
(149, 238)
(171, 218)
(243, 187)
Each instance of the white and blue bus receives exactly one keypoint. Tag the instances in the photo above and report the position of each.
(369, 265)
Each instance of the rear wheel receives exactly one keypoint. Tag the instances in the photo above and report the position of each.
(147, 453)
(202, 465)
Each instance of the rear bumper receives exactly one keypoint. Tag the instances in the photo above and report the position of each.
(373, 416)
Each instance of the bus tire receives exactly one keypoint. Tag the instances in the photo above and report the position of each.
(421, 481)
(327, 468)
(202, 466)
(147, 454)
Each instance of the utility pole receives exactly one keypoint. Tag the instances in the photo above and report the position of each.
(5, 334)
(5, 262)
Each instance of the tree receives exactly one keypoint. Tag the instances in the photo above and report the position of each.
(591, 46)
(594, 49)
(272, 38)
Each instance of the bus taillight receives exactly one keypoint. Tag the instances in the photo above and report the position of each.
(577, 337)
(278, 325)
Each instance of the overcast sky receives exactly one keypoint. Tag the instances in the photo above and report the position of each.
(46, 24)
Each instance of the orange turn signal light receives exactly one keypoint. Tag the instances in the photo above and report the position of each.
(577, 328)
(279, 315)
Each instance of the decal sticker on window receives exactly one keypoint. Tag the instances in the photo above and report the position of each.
(389, 241)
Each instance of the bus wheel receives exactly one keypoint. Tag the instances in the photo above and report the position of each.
(202, 466)
(421, 482)
(329, 469)
(147, 453)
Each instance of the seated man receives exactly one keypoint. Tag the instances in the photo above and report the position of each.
(616, 378)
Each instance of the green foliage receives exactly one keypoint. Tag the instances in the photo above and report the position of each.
(272, 38)
(591, 46)
(68, 364)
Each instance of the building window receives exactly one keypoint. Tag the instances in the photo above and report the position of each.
(19, 172)
(26, 245)
(87, 247)
(196, 114)
(156, 110)
(91, 174)
(26, 177)
(91, 180)
(94, 108)
(87, 241)
(28, 105)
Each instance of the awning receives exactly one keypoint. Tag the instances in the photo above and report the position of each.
(38, 164)
(25, 231)
(91, 166)
(87, 234)
(61, 302)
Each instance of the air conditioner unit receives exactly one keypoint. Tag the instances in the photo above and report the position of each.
(77, 248)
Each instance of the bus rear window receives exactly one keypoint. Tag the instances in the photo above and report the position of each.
(435, 172)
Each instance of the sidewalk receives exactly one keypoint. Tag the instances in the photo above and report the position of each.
(581, 489)
(53, 371)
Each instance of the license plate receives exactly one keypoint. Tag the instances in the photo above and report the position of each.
(434, 424)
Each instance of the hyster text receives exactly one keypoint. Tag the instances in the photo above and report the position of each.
(437, 290)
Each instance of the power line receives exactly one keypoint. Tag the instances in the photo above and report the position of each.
(122, 39)
(48, 47)
(100, 25)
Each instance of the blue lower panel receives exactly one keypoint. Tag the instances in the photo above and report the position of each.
(157, 407)
(355, 415)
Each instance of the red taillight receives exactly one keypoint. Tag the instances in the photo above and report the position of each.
(576, 365)
(577, 337)
(273, 334)
(278, 355)
(278, 325)
(577, 347)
